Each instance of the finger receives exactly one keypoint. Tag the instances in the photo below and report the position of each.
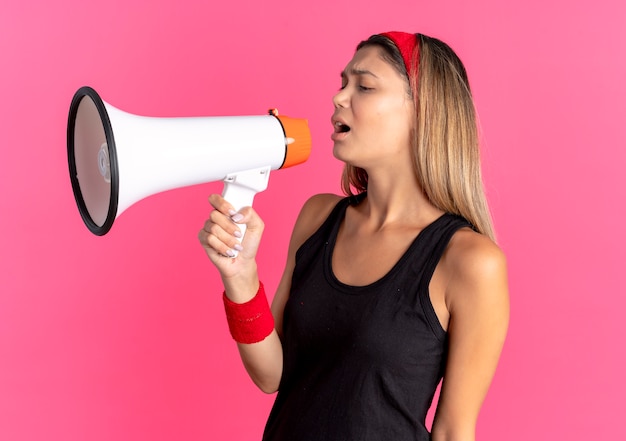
(215, 237)
(215, 248)
(222, 248)
(221, 204)
(225, 222)
(227, 209)
(253, 227)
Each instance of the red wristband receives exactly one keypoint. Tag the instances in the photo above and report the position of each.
(249, 322)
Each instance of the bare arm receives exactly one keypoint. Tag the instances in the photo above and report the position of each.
(263, 360)
(478, 302)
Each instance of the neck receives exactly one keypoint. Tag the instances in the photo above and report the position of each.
(397, 201)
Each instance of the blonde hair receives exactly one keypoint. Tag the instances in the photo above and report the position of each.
(446, 153)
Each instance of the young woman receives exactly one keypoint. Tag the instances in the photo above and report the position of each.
(391, 288)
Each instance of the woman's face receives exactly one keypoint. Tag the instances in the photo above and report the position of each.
(373, 112)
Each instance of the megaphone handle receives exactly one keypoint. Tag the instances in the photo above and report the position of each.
(240, 189)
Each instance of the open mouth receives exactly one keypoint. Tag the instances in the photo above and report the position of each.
(341, 128)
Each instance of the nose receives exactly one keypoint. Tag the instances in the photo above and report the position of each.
(340, 99)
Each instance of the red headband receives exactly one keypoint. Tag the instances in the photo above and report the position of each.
(406, 44)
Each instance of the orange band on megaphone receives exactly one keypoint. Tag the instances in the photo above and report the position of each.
(298, 150)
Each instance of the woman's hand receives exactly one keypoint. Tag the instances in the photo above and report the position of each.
(221, 239)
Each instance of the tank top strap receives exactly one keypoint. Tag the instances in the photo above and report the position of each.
(437, 238)
(338, 213)
(339, 210)
(434, 241)
(316, 242)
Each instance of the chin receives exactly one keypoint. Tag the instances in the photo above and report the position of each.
(337, 153)
(341, 156)
(344, 154)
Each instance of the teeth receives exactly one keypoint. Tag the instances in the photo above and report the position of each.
(341, 127)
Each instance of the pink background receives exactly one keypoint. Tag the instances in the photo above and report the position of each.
(123, 337)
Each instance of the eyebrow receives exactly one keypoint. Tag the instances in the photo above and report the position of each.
(358, 72)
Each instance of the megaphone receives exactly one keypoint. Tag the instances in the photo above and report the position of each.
(117, 158)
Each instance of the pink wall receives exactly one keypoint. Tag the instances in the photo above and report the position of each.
(123, 337)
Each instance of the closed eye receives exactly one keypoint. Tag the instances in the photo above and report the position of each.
(356, 73)
(360, 87)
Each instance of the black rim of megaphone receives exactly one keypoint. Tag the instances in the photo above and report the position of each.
(96, 229)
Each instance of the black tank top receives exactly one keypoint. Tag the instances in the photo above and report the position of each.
(361, 363)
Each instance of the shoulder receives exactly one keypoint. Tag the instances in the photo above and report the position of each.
(312, 215)
(478, 270)
(319, 205)
(474, 254)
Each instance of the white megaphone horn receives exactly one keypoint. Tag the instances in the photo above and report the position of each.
(116, 158)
